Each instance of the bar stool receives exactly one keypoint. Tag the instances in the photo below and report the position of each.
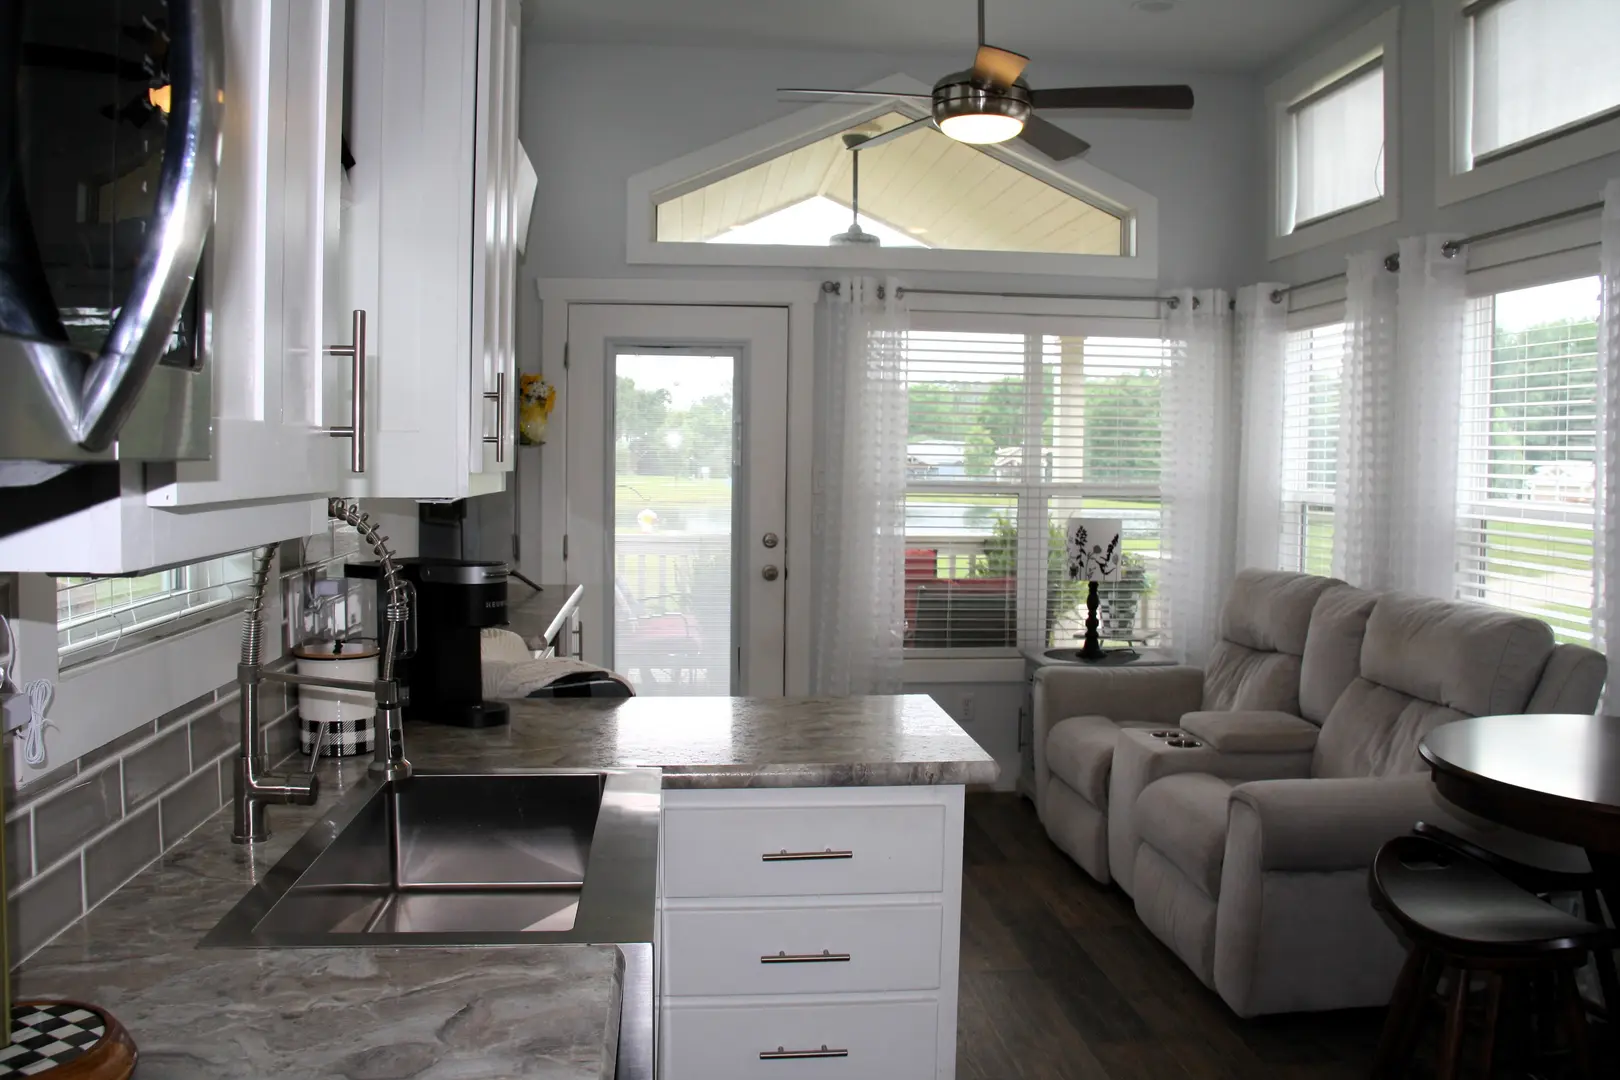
(1459, 915)
(1574, 878)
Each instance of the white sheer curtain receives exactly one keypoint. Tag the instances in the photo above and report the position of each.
(1196, 421)
(1262, 348)
(1431, 305)
(859, 525)
(1606, 514)
(1362, 497)
(1395, 500)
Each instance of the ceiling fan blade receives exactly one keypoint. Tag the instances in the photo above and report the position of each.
(1052, 140)
(1113, 97)
(892, 134)
(797, 91)
(999, 67)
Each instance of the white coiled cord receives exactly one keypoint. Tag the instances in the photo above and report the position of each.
(38, 693)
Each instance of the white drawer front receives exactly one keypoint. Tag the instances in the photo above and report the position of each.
(809, 950)
(794, 851)
(868, 1042)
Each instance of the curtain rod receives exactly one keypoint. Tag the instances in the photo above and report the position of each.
(1452, 248)
(906, 290)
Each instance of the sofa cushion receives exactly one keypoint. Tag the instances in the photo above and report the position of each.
(1251, 731)
(1080, 751)
(1270, 610)
(1184, 818)
(1332, 648)
(1238, 677)
(1475, 659)
(1375, 731)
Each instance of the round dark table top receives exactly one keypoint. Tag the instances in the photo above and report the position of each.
(1555, 775)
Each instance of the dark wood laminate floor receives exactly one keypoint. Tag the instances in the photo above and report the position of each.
(1061, 982)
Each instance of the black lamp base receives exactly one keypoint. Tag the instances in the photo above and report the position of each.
(1092, 648)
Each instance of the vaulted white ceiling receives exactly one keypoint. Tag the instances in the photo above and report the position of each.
(1205, 33)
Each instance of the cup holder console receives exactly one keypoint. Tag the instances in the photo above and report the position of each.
(1165, 734)
(1183, 743)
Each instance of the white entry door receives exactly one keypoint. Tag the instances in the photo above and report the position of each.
(677, 506)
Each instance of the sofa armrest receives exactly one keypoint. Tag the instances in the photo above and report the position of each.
(1251, 731)
(1324, 825)
(1140, 759)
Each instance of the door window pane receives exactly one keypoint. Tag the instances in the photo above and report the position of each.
(1339, 148)
(1541, 64)
(674, 443)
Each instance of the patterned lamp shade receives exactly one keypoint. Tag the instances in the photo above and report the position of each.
(1094, 548)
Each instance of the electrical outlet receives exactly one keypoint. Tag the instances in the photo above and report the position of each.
(967, 706)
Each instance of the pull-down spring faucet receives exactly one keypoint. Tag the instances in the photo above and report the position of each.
(256, 787)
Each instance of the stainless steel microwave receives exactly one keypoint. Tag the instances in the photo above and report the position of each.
(110, 119)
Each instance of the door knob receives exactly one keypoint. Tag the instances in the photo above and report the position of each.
(770, 573)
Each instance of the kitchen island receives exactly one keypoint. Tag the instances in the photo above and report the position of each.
(811, 882)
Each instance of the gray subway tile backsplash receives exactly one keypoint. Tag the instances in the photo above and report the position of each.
(190, 804)
(109, 814)
(114, 858)
(44, 908)
(156, 766)
(63, 822)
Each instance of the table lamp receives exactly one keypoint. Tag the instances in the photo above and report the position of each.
(1094, 551)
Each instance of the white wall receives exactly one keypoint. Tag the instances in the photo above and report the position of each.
(595, 115)
(1549, 194)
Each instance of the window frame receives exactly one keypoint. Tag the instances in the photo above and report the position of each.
(1457, 177)
(1474, 440)
(1138, 209)
(1032, 512)
(171, 610)
(1378, 39)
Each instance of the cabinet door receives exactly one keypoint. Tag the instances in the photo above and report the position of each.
(408, 239)
(494, 390)
(269, 276)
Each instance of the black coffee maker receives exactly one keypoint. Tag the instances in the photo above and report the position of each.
(454, 599)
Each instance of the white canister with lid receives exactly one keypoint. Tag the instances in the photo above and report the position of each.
(347, 715)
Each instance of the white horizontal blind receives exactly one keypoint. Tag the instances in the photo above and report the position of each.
(1312, 372)
(1339, 148)
(1539, 65)
(1009, 435)
(99, 616)
(1526, 470)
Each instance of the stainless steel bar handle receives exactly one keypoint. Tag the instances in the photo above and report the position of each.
(822, 957)
(782, 1054)
(805, 856)
(356, 429)
(498, 396)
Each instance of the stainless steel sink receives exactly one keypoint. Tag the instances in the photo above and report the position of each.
(560, 857)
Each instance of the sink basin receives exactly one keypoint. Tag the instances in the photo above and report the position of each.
(562, 857)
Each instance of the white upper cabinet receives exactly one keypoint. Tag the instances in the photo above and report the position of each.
(429, 241)
(271, 276)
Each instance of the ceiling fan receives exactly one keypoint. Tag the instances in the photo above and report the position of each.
(991, 103)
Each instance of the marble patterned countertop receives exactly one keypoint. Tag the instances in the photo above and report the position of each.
(543, 1012)
(537, 1012)
(719, 742)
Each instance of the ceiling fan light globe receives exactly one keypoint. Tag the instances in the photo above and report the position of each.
(981, 129)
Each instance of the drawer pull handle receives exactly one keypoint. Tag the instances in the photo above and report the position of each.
(823, 957)
(781, 1054)
(805, 856)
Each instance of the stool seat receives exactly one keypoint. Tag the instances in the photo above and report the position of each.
(1457, 904)
(1571, 874)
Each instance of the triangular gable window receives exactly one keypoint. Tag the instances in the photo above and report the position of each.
(782, 195)
(922, 190)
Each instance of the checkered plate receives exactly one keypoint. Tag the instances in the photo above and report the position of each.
(45, 1035)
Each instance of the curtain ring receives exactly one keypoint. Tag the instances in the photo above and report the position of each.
(1172, 302)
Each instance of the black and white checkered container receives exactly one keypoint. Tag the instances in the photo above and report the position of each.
(347, 716)
(46, 1035)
